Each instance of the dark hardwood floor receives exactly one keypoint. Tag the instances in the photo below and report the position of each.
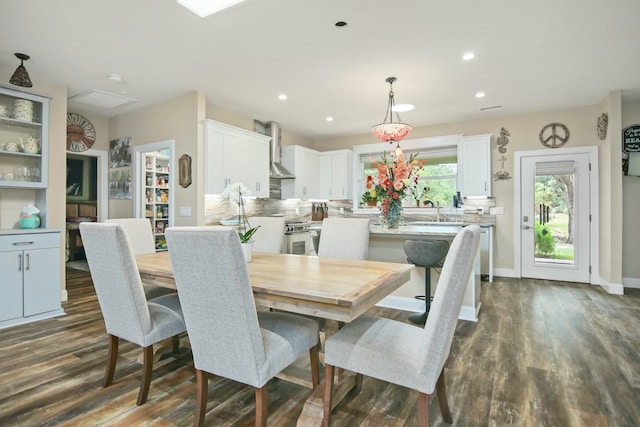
(542, 354)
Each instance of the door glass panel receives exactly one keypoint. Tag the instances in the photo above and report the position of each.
(555, 212)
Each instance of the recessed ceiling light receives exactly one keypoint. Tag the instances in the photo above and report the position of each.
(480, 95)
(329, 119)
(115, 78)
(401, 108)
(204, 8)
(468, 56)
(282, 97)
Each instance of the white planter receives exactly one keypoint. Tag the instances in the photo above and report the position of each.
(247, 250)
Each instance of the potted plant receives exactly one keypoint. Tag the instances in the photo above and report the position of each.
(236, 193)
(370, 197)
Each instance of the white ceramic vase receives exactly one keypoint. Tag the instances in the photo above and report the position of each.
(247, 249)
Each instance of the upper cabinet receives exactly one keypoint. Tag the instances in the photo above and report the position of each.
(24, 139)
(336, 170)
(235, 155)
(303, 164)
(474, 165)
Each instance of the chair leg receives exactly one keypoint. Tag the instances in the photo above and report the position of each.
(147, 366)
(175, 341)
(328, 393)
(441, 392)
(112, 358)
(423, 410)
(202, 386)
(261, 406)
(315, 365)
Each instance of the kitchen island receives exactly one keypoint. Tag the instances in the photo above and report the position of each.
(387, 245)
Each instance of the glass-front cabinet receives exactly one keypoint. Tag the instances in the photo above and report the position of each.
(24, 124)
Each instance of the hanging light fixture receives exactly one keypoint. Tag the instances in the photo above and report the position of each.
(390, 131)
(20, 76)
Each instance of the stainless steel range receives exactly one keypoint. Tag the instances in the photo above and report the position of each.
(297, 238)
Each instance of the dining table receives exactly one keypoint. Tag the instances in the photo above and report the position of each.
(326, 288)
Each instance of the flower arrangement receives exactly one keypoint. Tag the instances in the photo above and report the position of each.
(235, 193)
(396, 179)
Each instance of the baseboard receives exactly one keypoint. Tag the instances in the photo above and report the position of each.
(631, 282)
(64, 295)
(505, 272)
(612, 288)
(417, 306)
(22, 320)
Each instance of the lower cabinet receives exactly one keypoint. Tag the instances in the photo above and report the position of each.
(30, 286)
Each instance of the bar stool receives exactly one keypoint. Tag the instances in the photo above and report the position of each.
(427, 254)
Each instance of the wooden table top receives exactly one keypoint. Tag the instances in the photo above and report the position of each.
(334, 289)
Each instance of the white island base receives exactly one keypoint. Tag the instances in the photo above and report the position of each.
(387, 245)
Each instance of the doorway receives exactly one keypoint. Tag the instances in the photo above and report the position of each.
(556, 214)
(154, 174)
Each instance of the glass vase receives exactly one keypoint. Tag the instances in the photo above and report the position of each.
(393, 216)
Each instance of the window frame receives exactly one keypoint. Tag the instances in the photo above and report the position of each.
(423, 145)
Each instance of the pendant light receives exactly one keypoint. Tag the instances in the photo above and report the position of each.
(390, 131)
(20, 76)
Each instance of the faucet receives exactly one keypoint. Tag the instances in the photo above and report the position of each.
(437, 211)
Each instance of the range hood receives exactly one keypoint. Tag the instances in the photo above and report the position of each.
(276, 169)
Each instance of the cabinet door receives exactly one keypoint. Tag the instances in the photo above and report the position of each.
(24, 121)
(214, 173)
(41, 269)
(325, 165)
(11, 285)
(260, 167)
(474, 166)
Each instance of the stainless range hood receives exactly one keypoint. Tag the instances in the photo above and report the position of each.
(276, 170)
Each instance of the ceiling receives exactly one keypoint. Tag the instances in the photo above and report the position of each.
(530, 56)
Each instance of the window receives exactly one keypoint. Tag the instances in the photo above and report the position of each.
(439, 176)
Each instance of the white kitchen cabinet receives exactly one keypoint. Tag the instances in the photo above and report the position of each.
(335, 171)
(474, 165)
(302, 162)
(30, 285)
(24, 146)
(235, 155)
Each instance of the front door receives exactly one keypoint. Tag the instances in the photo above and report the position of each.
(555, 217)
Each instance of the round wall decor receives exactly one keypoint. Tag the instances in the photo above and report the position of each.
(80, 133)
(554, 135)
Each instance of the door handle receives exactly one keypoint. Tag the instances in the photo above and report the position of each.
(526, 227)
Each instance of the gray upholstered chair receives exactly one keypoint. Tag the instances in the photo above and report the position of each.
(344, 238)
(270, 236)
(126, 311)
(140, 235)
(229, 338)
(405, 354)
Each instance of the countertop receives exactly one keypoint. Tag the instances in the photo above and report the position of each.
(18, 231)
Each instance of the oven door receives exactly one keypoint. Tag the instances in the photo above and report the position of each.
(298, 243)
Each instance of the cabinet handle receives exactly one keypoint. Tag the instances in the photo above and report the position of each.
(485, 186)
(22, 243)
(19, 262)
(28, 262)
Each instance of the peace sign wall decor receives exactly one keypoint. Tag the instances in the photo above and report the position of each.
(554, 135)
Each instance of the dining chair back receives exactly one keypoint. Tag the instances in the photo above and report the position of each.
(142, 241)
(402, 353)
(228, 337)
(127, 313)
(270, 236)
(345, 238)
(139, 232)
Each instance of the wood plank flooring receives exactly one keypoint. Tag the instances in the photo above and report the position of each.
(542, 354)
